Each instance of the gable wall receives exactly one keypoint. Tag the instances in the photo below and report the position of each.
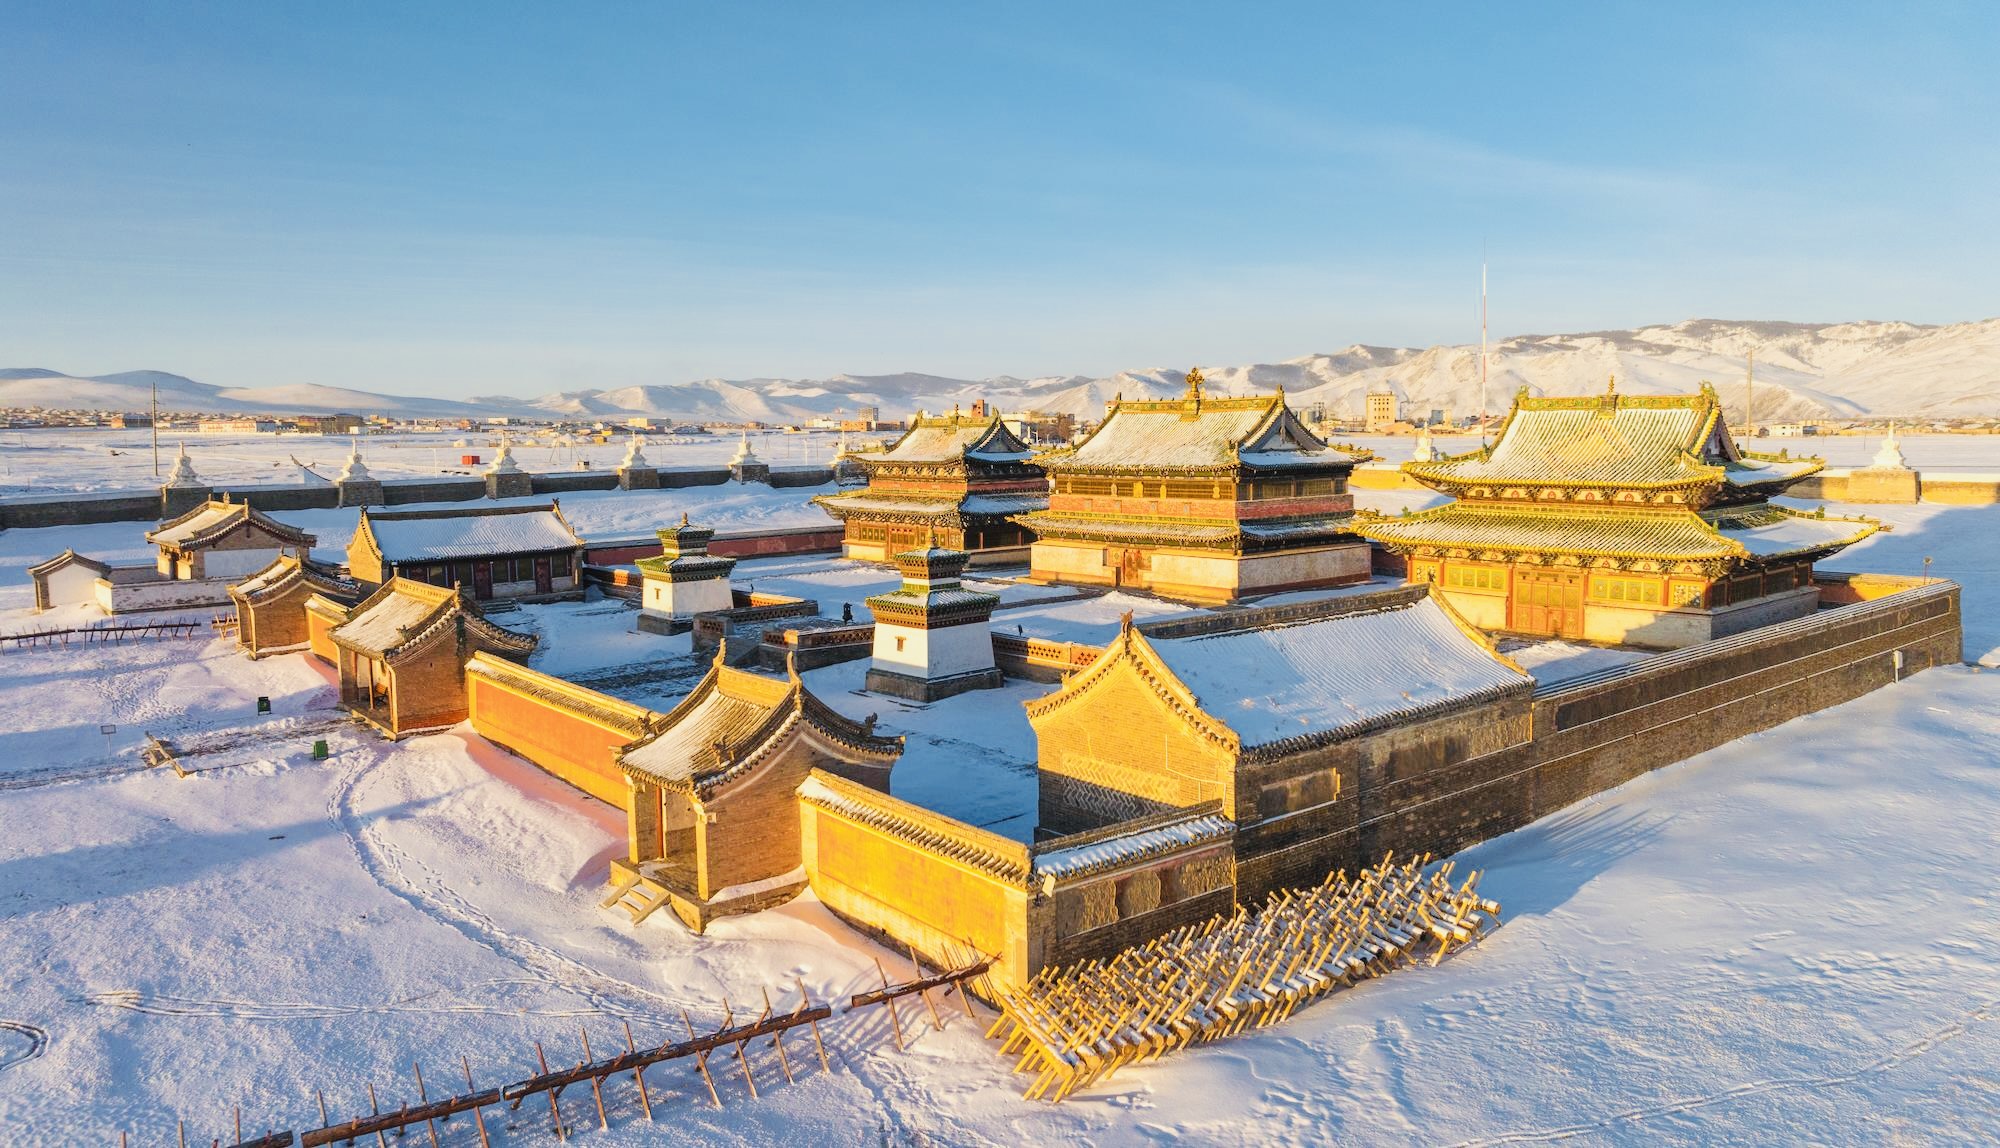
(1120, 752)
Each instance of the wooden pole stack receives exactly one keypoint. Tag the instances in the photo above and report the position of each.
(1069, 1027)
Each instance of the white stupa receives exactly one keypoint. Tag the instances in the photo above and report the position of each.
(1424, 451)
(1890, 457)
(743, 452)
(503, 463)
(635, 458)
(355, 470)
(183, 473)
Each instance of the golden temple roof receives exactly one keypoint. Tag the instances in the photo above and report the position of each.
(1197, 433)
(1678, 534)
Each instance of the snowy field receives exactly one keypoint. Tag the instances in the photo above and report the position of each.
(47, 461)
(65, 459)
(1793, 938)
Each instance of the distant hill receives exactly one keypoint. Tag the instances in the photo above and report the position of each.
(1804, 370)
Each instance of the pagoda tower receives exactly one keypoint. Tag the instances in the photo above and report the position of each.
(634, 472)
(356, 485)
(683, 581)
(504, 477)
(931, 638)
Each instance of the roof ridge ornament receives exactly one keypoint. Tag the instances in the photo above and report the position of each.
(1194, 383)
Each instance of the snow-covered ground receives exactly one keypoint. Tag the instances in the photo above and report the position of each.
(68, 459)
(1792, 938)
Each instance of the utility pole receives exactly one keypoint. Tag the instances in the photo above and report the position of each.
(1482, 354)
(1750, 394)
(156, 429)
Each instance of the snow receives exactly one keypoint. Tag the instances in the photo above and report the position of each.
(472, 531)
(1791, 938)
(1125, 846)
(1552, 661)
(1336, 673)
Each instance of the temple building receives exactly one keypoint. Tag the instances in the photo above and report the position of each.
(224, 539)
(1203, 499)
(402, 655)
(1619, 519)
(492, 551)
(683, 580)
(714, 822)
(270, 604)
(957, 479)
(1296, 723)
(931, 637)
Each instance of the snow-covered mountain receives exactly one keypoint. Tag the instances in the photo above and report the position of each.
(1804, 370)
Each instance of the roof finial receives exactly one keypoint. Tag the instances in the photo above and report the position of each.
(1125, 622)
(684, 518)
(1194, 382)
(1611, 388)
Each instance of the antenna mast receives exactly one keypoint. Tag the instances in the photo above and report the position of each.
(1482, 353)
(1750, 394)
(156, 429)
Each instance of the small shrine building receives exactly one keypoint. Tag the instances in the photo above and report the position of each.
(1203, 499)
(271, 604)
(959, 479)
(402, 653)
(713, 817)
(224, 539)
(1623, 519)
(492, 551)
(683, 580)
(931, 635)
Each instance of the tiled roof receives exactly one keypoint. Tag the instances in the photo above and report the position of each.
(1002, 504)
(1775, 532)
(1326, 678)
(285, 572)
(1679, 533)
(434, 535)
(214, 519)
(1764, 532)
(951, 438)
(1197, 434)
(1191, 533)
(1613, 440)
(1099, 851)
(404, 612)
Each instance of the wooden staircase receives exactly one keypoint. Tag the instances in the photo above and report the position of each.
(631, 892)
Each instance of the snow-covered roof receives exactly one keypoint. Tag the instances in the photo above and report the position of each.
(1677, 534)
(1100, 850)
(1612, 440)
(1662, 534)
(436, 535)
(211, 520)
(1198, 434)
(1339, 674)
(285, 572)
(67, 558)
(725, 725)
(1056, 525)
(404, 612)
(1775, 532)
(932, 506)
(952, 438)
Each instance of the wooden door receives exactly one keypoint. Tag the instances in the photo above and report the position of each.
(1548, 602)
(543, 583)
(1131, 568)
(482, 580)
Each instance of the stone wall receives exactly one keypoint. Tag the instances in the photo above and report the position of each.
(1592, 734)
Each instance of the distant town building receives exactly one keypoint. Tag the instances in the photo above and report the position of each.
(1381, 411)
(328, 424)
(131, 421)
(238, 426)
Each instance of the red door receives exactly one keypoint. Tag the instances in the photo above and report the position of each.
(542, 582)
(482, 580)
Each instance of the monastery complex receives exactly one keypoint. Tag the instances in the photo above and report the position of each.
(1236, 683)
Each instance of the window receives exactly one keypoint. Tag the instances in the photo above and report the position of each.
(1489, 579)
(559, 566)
(1637, 591)
(899, 645)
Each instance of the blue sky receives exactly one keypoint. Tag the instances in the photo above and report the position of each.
(516, 199)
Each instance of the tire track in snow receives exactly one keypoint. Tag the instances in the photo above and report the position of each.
(35, 1038)
(1635, 1116)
